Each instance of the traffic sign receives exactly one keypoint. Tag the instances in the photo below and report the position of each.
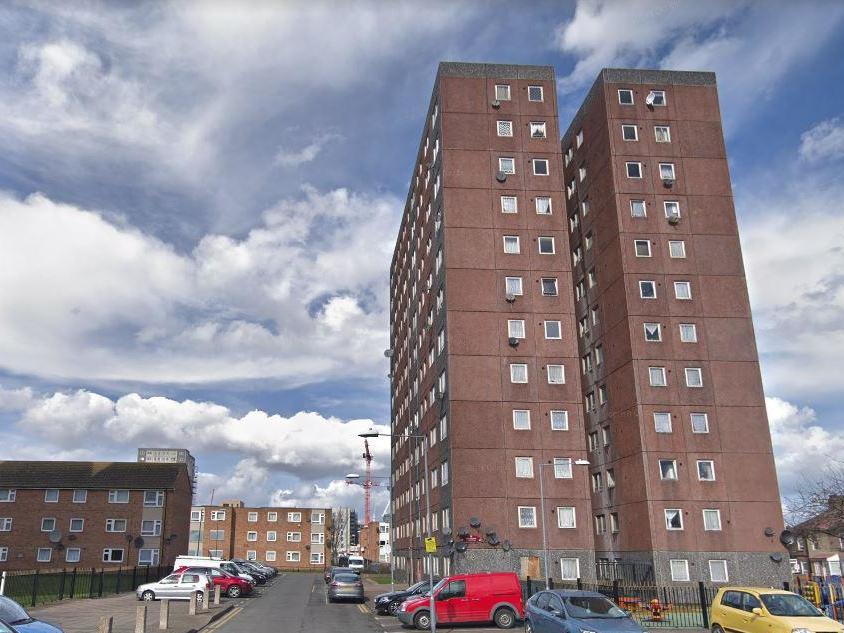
(431, 545)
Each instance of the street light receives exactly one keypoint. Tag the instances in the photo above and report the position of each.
(373, 433)
(349, 480)
(578, 462)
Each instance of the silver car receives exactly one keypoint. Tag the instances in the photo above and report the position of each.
(346, 586)
(176, 587)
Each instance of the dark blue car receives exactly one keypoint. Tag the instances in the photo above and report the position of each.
(567, 611)
(18, 620)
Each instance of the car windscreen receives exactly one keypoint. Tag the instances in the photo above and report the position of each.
(419, 586)
(12, 612)
(439, 584)
(347, 578)
(788, 604)
(592, 607)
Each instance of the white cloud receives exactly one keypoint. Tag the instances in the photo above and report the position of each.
(334, 495)
(295, 158)
(15, 399)
(301, 298)
(824, 141)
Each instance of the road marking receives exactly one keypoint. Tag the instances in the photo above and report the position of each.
(224, 619)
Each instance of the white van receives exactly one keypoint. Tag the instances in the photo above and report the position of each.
(356, 562)
(216, 563)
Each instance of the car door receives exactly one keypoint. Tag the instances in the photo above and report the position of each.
(539, 612)
(187, 585)
(733, 615)
(452, 603)
(555, 615)
(754, 623)
(166, 587)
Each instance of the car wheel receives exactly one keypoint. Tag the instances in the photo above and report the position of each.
(422, 620)
(504, 618)
(148, 595)
(393, 608)
(528, 627)
(716, 628)
(234, 591)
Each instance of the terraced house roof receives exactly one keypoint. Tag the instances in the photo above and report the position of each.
(89, 475)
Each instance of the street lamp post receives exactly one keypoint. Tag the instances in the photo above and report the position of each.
(426, 474)
(578, 462)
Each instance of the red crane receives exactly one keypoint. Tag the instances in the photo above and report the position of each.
(367, 484)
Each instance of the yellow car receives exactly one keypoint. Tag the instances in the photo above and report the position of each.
(758, 610)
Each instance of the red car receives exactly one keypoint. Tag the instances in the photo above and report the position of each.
(230, 585)
(486, 597)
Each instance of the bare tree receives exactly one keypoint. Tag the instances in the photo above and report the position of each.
(818, 503)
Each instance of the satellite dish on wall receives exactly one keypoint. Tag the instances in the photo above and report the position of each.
(139, 542)
(500, 176)
(787, 538)
(463, 532)
(461, 547)
(55, 536)
(769, 531)
(506, 546)
(474, 522)
(776, 557)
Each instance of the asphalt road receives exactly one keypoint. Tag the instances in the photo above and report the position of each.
(294, 603)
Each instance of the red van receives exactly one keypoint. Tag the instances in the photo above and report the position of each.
(485, 597)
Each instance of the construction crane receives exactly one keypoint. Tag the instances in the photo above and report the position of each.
(367, 484)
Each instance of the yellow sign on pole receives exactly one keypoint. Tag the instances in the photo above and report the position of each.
(431, 545)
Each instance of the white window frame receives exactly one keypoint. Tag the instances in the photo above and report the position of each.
(564, 417)
(517, 244)
(516, 328)
(8, 495)
(677, 249)
(516, 426)
(650, 325)
(252, 517)
(711, 465)
(542, 281)
(511, 165)
(705, 420)
(108, 555)
(536, 203)
(4, 554)
(559, 327)
(269, 556)
(578, 139)
(671, 209)
(651, 376)
(251, 555)
(576, 567)
(70, 525)
(554, 367)
(538, 126)
(155, 502)
(657, 423)
(74, 559)
(152, 556)
(668, 523)
(627, 126)
(535, 161)
(688, 328)
(541, 94)
(294, 517)
(667, 167)
(75, 497)
(546, 239)
(712, 512)
(294, 537)
(218, 515)
(6, 524)
(514, 280)
(566, 509)
(667, 135)
(638, 243)
(513, 368)
(39, 555)
(664, 98)
(628, 91)
(672, 470)
(720, 562)
(503, 124)
(293, 557)
(501, 90)
(49, 529)
(684, 575)
(252, 536)
(691, 371)
(505, 201)
(644, 208)
(272, 517)
(156, 527)
(677, 292)
(642, 283)
(47, 495)
(563, 468)
(627, 170)
(522, 525)
(526, 469)
(115, 495)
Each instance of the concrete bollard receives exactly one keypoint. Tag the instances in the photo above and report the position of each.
(205, 605)
(164, 616)
(217, 595)
(192, 603)
(105, 625)
(141, 619)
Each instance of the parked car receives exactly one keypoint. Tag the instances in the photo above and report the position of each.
(389, 602)
(208, 561)
(346, 586)
(568, 611)
(230, 585)
(260, 575)
(463, 598)
(15, 619)
(178, 586)
(758, 610)
(332, 571)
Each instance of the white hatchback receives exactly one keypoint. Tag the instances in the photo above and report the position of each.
(176, 587)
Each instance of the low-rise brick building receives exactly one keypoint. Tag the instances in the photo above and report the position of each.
(286, 538)
(90, 514)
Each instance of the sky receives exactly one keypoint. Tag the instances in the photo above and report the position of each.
(199, 200)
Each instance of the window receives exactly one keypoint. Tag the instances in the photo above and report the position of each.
(688, 333)
(524, 467)
(677, 249)
(317, 538)
(521, 419)
(590, 401)
(215, 553)
(657, 376)
(700, 423)
(72, 555)
(535, 93)
(507, 165)
(625, 97)
(540, 166)
(566, 517)
(662, 133)
(443, 427)
(674, 519)
(599, 355)
(509, 204)
(543, 205)
(569, 154)
(600, 524)
(505, 128)
(594, 313)
(77, 525)
(218, 515)
(588, 240)
(272, 517)
(637, 209)
(148, 557)
(549, 286)
(538, 129)
(610, 478)
(597, 482)
(562, 468)
(51, 496)
(48, 525)
(592, 439)
(546, 245)
(653, 332)
(602, 394)
(294, 537)
(511, 244)
(679, 570)
(153, 498)
(518, 373)
(668, 469)
(269, 556)
(44, 554)
(112, 555)
(642, 248)
(251, 555)
(7, 495)
(634, 170)
(662, 422)
(251, 536)
(569, 568)
(115, 525)
(216, 535)
(576, 256)
(672, 209)
(578, 140)
(584, 208)
(629, 133)
(292, 557)
(80, 496)
(647, 289)
(706, 470)
(712, 520)
(666, 171)
(527, 517)
(556, 374)
(118, 496)
(4, 554)
(683, 290)
(718, 571)
(694, 377)
(513, 286)
(6, 524)
(581, 173)
(502, 92)
(657, 97)
(444, 473)
(614, 522)
(553, 330)
(151, 528)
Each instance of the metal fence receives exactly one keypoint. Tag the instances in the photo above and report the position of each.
(39, 587)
